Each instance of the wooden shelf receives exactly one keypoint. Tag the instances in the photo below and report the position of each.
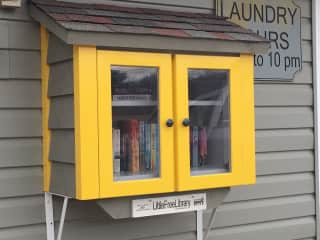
(136, 103)
(196, 103)
(205, 171)
(127, 177)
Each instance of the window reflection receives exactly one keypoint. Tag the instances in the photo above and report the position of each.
(210, 121)
(135, 128)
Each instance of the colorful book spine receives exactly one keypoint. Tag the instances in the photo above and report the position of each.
(134, 146)
(116, 142)
(203, 145)
(142, 145)
(190, 144)
(116, 150)
(131, 97)
(147, 146)
(195, 145)
(124, 165)
(153, 146)
(116, 166)
(157, 150)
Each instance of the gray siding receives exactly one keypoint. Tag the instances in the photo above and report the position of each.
(61, 78)
(20, 127)
(280, 206)
(62, 179)
(61, 117)
(62, 146)
(61, 112)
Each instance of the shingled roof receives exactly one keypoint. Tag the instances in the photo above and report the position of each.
(119, 20)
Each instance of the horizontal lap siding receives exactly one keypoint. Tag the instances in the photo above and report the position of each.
(20, 152)
(61, 112)
(285, 162)
(284, 229)
(61, 117)
(21, 203)
(282, 203)
(280, 206)
(62, 146)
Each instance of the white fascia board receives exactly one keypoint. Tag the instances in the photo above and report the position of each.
(316, 87)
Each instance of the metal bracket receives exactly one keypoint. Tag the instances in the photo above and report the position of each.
(200, 225)
(49, 215)
(211, 221)
(200, 235)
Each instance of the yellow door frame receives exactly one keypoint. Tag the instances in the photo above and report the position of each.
(86, 122)
(241, 121)
(165, 183)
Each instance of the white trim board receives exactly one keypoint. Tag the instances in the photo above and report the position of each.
(316, 87)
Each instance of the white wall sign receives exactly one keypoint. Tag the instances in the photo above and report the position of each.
(278, 21)
(168, 205)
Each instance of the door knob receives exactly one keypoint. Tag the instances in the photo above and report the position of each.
(170, 123)
(186, 122)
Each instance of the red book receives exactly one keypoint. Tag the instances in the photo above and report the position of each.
(203, 145)
(134, 145)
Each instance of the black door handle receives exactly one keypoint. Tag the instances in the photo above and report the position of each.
(186, 122)
(169, 122)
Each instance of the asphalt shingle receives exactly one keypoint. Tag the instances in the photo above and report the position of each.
(143, 21)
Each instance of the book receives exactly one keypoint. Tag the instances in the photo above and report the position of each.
(190, 145)
(195, 145)
(132, 97)
(142, 145)
(116, 142)
(147, 159)
(116, 166)
(124, 160)
(203, 145)
(157, 172)
(126, 89)
(116, 150)
(134, 146)
(153, 146)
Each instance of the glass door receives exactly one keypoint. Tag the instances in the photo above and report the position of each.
(135, 123)
(214, 132)
(209, 120)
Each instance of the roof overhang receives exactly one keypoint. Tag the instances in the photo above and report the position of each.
(145, 42)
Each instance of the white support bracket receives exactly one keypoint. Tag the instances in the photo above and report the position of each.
(200, 235)
(316, 87)
(49, 215)
(200, 225)
(210, 224)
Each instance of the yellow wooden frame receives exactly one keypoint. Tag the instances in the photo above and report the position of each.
(86, 122)
(93, 122)
(241, 124)
(109, 187)
(45, 109)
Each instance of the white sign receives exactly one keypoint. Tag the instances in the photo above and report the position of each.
(168, 205)
(277, 21)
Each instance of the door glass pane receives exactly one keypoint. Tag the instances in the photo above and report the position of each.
(135, 127)
(209, 108)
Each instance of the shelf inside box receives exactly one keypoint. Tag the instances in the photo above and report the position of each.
(194, 103)
(135, 103)
(204, 171)
(127, 177)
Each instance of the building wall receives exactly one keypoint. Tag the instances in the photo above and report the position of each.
(280, 206)
(61, 117)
